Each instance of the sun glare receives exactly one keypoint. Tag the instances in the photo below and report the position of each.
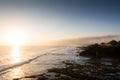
(16, 38)
(16, 56)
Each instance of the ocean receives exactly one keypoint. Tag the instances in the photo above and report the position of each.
(17, 62)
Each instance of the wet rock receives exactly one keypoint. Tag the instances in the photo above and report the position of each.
(16, 79)
(42, 78)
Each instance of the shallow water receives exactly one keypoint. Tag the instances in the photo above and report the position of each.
(17, 62)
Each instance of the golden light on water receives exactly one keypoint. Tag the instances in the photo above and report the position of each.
(17, 73)
(16, 56)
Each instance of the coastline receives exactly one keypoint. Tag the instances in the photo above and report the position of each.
(91, 69)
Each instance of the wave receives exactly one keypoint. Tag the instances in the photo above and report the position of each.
(5, 69)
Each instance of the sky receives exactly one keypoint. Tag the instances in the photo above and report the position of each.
(44, 20)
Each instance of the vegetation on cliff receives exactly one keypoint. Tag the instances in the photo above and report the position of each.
(102, 50)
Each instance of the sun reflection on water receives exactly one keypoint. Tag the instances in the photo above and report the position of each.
(17, 73)
(16, 56)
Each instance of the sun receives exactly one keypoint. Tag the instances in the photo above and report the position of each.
(16, 38)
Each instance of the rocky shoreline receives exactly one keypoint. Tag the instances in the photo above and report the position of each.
(103, 50)
(93, 69)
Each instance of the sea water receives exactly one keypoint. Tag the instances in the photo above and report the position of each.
(17, 62)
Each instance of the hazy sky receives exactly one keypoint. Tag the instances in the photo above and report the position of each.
(43, 20)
